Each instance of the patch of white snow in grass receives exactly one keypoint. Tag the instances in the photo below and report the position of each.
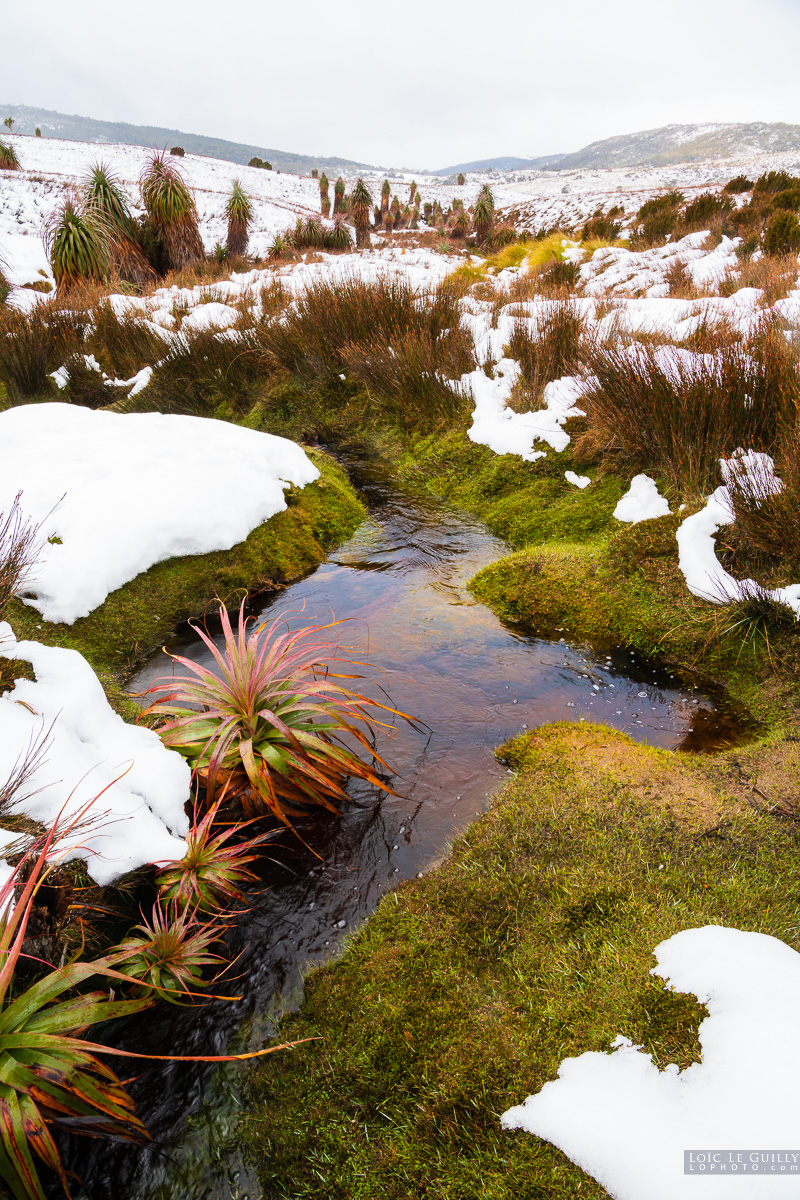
(642, 501)
(627, 1124)
(211, 316)
(578, 481)
(504, 431)
(124, 491)
(704, 574)
(140, 818)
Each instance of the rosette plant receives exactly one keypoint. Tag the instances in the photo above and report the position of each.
(212, 873)
(79, 241)
(50, 1076)
(360, 206)
(239, 212)
(267, 725)
(171, 208)
(104, 195)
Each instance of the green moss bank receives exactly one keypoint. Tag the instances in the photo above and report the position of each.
(139, 617)
(533, 941)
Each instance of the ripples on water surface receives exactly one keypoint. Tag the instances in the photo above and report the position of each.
(473, 682)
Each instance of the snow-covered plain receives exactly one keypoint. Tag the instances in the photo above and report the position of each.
(628, 1124)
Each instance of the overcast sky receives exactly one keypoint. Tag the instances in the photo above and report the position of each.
(419, 85)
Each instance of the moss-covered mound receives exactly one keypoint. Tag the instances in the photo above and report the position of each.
(532, 942)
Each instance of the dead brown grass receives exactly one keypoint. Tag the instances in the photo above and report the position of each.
(775, 275)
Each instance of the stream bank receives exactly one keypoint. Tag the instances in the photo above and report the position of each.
(472, 683)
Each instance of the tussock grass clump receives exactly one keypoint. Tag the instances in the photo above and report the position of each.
(768, 521)
(659, 217)
(19, 552)
(239, 213)
(8, 157)
(5, 286)
(557, 349)
(401, 343)
(773, 274)
(171, 207)
(201, 370)
(32, 344)
(123, 344)
(666, 409)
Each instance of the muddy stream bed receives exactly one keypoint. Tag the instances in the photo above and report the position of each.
(473, 682)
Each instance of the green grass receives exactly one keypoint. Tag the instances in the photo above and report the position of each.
(532, 942)
(139, 617)
(525, 503)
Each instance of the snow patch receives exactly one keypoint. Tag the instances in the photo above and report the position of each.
(642, 501)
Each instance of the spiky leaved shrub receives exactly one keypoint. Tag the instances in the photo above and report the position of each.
(338, 195)
(484, 214)
(360, 205)
(666, 409)
(267, 725)
(34, 343)
(386, 193)
(79, 242)
(103, 194)
(459, 224)
(279, 245)
(388, 221)
(782, 234)
(324, 199)
(239, 214)
(427, 208)
(460, 179)
(211, 875)
(500, 236)
(168, 953)
(8, 157)
(339, 237)
(171, 207)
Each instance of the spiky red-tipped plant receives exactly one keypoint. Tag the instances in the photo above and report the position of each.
(168, 953)
(268, 725)
(212, 873)
(171, 207)
(239, 212)
(50, 1075)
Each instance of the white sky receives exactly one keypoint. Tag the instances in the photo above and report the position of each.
(422, 85)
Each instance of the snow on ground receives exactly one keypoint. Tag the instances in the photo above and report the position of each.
(704, 574)
(123, 491)
(628, 1124)
(140, 817)
(642, 501)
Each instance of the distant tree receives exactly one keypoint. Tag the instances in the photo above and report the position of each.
(315, 173)
(9, 123)
(38, 131)
(178, 151)
(460, 179)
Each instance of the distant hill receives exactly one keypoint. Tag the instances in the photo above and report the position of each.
(684, 144)
(656, 148)
(501, 164)
(87, 129)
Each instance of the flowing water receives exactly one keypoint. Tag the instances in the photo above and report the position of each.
(470, 682)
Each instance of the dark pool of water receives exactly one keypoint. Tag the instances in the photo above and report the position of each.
(472, 682)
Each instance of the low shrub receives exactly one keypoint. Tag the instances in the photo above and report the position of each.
(178, 151)
(704, 209)
(738, 185)
(782, 234)
(8, 157)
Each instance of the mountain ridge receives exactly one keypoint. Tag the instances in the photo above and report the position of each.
(73, 127)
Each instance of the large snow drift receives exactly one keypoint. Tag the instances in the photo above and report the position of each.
(627, 1123)
(124, 491)
(140, 818)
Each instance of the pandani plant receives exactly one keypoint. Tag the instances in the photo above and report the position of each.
(484, 214)
(360, 205)
(338, 195)
(324, 200)
(386, 192)
(79, 241)
(171, 207)
(103, 194)
(51, 1078)
(266, 726)
(239, 213)
(8, 157)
